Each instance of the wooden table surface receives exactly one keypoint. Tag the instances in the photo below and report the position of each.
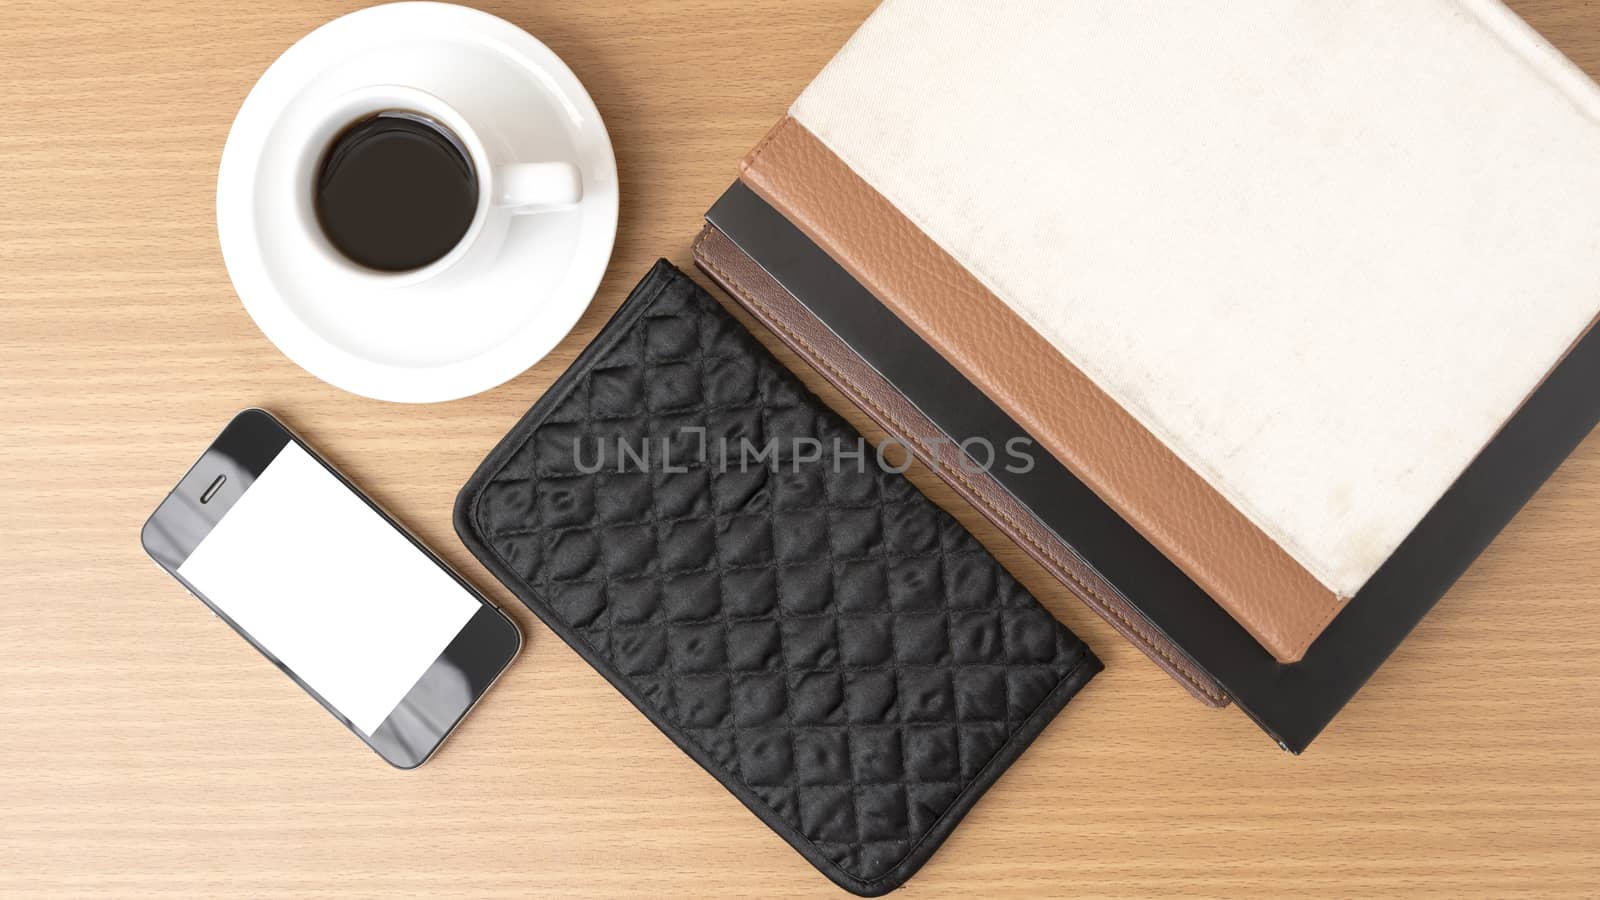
(144, 749)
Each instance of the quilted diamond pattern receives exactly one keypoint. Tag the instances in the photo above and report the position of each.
(831, 644)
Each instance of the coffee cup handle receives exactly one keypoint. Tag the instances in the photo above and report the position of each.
(535, 187)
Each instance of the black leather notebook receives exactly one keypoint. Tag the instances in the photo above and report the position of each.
(1291, 702)
(826, 641)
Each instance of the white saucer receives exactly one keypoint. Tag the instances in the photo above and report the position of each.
(430, 341)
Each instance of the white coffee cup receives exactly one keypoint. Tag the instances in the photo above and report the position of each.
(504, 295)
(507, 187)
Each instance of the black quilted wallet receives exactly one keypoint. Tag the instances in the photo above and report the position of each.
(836, 649)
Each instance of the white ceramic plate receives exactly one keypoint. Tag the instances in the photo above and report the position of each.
(441, 339)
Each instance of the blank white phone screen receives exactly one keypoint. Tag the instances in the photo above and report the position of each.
(329, 587)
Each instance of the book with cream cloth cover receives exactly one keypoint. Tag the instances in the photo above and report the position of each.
(1271, 280)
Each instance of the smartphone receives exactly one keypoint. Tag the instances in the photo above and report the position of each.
(333, 591)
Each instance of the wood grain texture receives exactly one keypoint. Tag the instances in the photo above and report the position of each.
(146, 750)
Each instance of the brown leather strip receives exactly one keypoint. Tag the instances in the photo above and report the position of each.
(1281, 604)
(797, 327)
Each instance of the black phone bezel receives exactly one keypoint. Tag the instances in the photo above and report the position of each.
(435, 705)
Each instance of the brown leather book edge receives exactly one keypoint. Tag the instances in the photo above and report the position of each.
(802, 332)
(1280, 603)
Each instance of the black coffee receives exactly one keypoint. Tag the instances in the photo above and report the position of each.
(395, 192)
